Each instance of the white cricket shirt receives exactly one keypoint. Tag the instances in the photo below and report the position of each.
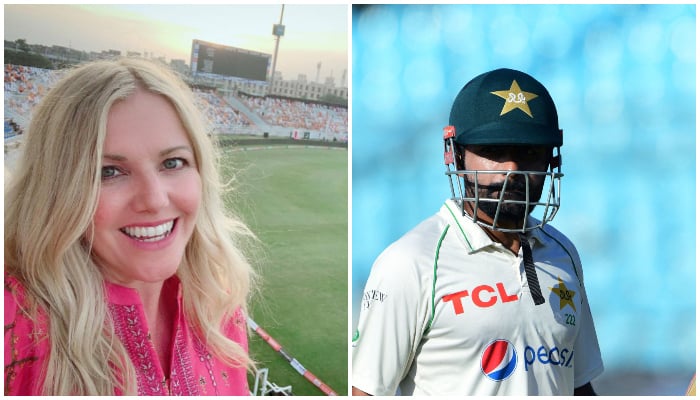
(447, 311)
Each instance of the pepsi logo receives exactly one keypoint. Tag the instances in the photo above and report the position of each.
(499, 359)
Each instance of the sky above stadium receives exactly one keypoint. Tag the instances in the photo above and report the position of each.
(313, 33)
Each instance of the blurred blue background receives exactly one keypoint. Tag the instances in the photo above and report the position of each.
(623, 79)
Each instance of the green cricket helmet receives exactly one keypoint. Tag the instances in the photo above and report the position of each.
(503, 107)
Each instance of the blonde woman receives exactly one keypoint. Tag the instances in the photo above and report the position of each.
(123, 272)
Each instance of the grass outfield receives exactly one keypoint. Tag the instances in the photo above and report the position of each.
(296, 200)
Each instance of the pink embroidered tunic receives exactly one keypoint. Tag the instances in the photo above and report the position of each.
(193, 370)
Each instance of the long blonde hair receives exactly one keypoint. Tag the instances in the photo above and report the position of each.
(49, 205)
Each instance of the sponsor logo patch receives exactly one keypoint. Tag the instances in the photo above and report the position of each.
(548, 356)
(372, 296)
(483, 296)
(499, 359)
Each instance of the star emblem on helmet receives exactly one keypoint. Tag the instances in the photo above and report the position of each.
(515, 98)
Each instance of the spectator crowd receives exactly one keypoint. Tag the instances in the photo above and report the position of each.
(298, 114)
(220, 115)
(25, 87)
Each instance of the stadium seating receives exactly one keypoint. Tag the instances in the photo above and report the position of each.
(299, 114)
(26, 86)
(222, 117)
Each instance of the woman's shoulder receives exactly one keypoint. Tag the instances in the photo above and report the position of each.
(236, 323)
(15, 299)
(236, 328)
(26, 344)
(11, 282)
(20, 313)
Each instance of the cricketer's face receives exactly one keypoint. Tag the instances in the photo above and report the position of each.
(150, 192)
(491, 185)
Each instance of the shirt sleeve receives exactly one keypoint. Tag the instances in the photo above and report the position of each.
(237, 329)
(235, 378)
(589, 362)
(394, 313)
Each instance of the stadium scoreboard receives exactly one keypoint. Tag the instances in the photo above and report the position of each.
(218, 59)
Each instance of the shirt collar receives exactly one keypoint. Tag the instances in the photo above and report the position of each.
(123, 295)
(474, 235)
(469, 232)
(536, 234)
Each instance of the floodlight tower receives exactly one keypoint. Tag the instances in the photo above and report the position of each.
(278, 32)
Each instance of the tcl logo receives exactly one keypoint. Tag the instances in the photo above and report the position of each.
(482, 296)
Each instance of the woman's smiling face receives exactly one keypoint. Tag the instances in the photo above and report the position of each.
(150, 192)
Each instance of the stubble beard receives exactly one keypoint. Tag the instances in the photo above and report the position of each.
(509, 214)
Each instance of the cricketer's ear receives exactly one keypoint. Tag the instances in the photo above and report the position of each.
(555, 161)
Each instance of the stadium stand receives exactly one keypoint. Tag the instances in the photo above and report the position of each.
(11, 128)
(222, 117)
(25, 87)
(298, 114)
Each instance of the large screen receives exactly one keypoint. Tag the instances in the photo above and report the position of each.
(212, 58)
